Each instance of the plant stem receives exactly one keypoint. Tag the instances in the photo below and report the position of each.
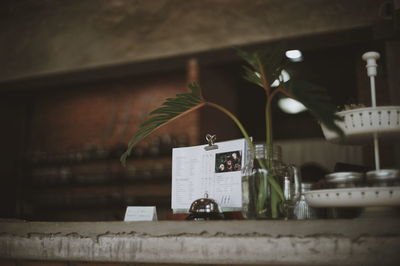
(270, 155)
(237, 122)
(268, 122)
(268, 129)
(268, 125)
(272, 181)
(262, 194)
(274, 203)
(263, 78)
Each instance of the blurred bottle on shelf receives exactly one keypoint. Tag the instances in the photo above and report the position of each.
(165, 144)
(182, 140)
(154, 147)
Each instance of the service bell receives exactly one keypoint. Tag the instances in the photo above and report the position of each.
(205, 209)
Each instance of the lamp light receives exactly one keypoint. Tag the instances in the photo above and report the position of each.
(294, 55)
(291, 106)
(283, 77)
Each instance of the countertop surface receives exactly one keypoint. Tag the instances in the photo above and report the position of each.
(309, 242)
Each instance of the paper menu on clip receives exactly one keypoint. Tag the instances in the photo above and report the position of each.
(217, 172)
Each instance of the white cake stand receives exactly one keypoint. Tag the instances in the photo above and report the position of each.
(362, 124)
(359, 126)
(354, 197)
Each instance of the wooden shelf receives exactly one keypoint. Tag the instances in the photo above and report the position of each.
(70, 191)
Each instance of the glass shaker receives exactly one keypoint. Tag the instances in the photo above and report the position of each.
(302, 210)
(256, 190)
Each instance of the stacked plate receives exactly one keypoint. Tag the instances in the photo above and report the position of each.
(385, 190)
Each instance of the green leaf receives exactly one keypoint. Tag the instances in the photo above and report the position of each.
(252, 76)
(317, 101)
(171, 109)
(269, 62)
(249, 57)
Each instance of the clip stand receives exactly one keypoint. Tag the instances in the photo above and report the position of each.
(210, 140)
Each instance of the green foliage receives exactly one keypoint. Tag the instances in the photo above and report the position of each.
(171, 109)
(263, 66)
(317, 101)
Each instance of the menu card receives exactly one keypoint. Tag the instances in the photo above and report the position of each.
(197, 171)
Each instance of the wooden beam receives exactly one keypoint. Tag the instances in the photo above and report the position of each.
(40, 38)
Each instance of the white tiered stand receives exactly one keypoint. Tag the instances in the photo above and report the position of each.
(359, 126)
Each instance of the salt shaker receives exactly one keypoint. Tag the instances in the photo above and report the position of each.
(302, 210)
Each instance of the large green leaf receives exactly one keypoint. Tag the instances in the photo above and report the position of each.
(171, 109)
(317, 101)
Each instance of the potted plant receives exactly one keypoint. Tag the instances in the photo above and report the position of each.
(262, 68)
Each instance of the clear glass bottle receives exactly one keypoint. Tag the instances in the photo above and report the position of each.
(256, 190)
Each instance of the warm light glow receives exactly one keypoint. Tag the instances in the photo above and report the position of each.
(294, 55)
(290, 106)
(284, 76)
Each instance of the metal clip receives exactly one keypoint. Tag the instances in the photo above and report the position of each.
(210, 140)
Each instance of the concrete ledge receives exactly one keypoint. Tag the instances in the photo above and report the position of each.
(319, 242)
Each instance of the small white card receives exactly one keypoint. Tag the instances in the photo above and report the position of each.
(140, 213)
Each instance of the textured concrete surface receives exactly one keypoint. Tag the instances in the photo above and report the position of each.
(47, 37)
(330, 242)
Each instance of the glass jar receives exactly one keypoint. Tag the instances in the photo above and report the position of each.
(344, 179)
(384, 178)
(257, 193)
